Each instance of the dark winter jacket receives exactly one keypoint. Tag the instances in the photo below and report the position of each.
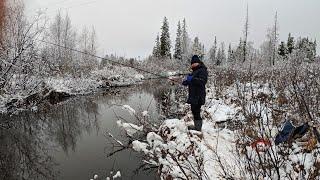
(197, 89)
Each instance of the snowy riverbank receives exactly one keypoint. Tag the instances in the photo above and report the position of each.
(232, 144)
(16, 97)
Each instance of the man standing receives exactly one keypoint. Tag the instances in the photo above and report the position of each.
(196, 82)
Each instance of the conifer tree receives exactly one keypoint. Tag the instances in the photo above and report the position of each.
(283, 51)
(213, 51)
(221, 55)
(197, 48)
(230, 55)
(306, 48)
(178, 45)
(290, 44)
(185, 41)
(156, 48)
(165, 43)
(238, 54)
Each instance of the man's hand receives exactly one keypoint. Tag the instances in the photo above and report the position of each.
(187, 81)
(189, 78)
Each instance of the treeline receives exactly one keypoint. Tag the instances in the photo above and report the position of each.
(271, 51)
(33, 50)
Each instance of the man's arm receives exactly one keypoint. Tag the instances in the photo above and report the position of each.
(200, 79)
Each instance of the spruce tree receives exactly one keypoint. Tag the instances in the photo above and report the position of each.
(230, 55)
(213, 51)
(156, 48)
(238, 54)
(178, 45)
(196, 47)
(185, 40)
(282, 49)
(221, 55)
(314, 49)
(165, 43)
(290, 44)
(306, 48)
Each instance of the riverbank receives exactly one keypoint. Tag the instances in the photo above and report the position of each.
(56, 89)
(243, 120)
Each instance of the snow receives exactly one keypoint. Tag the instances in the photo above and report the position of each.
(139, 77)
(95, 177)
(221, 111)
(130, 128)
(173, 145)
(118, 75)
(73, 85)
(172, 73)
(145, 113)
(140, 146)
(176, 139)
(129, 109)
(117, 175)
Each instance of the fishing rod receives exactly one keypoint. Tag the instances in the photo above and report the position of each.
(159, 76)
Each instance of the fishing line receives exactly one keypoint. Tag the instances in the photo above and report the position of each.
(115, 62)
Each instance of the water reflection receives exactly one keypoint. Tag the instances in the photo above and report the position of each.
(29, 141)
(24, 150)
(26, 146)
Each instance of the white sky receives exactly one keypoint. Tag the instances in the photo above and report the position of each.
(129, 27)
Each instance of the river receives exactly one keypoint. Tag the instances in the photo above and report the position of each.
(68, 141)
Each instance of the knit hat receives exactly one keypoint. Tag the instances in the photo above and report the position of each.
(195, 59)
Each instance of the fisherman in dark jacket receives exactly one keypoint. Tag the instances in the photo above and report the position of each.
(196, 82)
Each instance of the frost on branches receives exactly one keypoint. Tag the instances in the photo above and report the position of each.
(243, 117)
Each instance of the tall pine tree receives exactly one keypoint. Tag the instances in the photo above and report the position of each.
(290, 44)
(282, 51)
(156, 48)
(230, 55)
(213, 51)
(178, 46)
(165, 43)
(185, 41)
(221, 55)
(197, 48)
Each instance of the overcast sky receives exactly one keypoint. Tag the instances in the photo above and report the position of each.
(129, 27)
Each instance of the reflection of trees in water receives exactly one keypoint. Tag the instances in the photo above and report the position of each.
(26, 145)
(24, 151)
(168, 96)
(69, 121)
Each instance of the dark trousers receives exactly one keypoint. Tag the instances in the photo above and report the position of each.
(196, 109)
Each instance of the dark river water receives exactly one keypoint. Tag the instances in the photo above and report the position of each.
(67, 141)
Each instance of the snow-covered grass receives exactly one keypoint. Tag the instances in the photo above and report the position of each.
(256, 108)
(73, 85)
(21, 87)
(182, 153)
(118, 76)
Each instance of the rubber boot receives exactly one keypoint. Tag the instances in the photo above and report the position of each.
(191, 127)
(198, 125)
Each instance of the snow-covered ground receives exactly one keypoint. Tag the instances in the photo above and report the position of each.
(217, 152)
(109, 76)
(73, 85)
(180, 152)
(118, 76)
